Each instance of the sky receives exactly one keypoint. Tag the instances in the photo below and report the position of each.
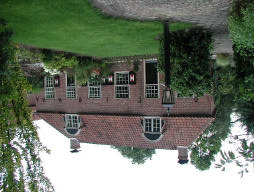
(100, 168)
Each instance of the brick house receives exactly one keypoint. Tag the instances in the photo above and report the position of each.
(125, 112)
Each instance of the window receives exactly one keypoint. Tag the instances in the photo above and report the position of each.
(152, 91)
(152, 125)
(72, 124)
(94, 90)
(49, 88)
(151, 80)
(122, 85)
(72, 121)
(71, 87)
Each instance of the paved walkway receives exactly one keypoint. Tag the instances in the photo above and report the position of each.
(211, 14)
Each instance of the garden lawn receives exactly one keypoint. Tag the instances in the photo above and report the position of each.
(75, 26)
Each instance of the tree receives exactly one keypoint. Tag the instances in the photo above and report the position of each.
(246, 111)
(138, 155)
(20, 164)
(243, 156)
(60, 62)
(241, 27)
(190, 58)
(209, 143)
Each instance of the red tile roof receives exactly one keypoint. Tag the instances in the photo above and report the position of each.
(127, 130)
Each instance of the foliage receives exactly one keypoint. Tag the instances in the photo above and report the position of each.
(36, 79)
(27, 56)
(209, 143)
(246, 111)
(224, 82)
(61, 62)
(222, 60)
(91, 70)
(246, 88)
(75, 26)
(242, 27)
(138, 155)
(243, 157)
(244, 81)
(190, 58)
(20, 165)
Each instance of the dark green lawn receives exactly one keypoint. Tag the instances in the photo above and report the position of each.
(74, 26)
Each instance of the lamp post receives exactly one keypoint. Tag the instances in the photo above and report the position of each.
(168, 95)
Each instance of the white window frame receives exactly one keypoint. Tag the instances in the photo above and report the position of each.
(71, 91)
(77, 125)
(94, 90)
(74, 125)
(152, 125)
(153, 90)
(50, 92)
(122, 86)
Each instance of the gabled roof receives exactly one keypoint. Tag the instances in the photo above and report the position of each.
(127, 130)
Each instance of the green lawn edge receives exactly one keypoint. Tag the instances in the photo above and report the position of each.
(75, 26)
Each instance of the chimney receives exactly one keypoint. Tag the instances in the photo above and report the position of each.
(182, 155)
(75, 145)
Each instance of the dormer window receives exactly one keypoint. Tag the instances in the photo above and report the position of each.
(152, 128)
(72, 124)
(152, 125)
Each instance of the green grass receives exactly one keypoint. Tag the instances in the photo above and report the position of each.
(75, 26)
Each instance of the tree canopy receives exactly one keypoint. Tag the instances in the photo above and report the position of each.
(190, 59)
(137, 155)
(20, 164)
(209, 143)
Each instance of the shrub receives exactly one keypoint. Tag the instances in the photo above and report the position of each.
(60, 62)
(241, 27)
(222, 60)
(190, 58)
(91, 70)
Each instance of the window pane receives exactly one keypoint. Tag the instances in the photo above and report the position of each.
(72, 121)
(122, 91)
(94, 89)
(71, 93)
(151, 91)
(49, 92)
(148, 125)
(49, 81)
(153, 125)
(122, 78)
(156, 125)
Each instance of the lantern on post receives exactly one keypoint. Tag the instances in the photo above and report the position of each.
(168, 96)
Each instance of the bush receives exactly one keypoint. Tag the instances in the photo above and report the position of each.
(223, 60)
(190, 58)
(60, 62)
(91, 70)
(241, 27)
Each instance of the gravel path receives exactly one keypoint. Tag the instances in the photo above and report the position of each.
(210, 14)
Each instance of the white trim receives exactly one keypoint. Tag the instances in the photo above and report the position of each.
(47, 91)
(94, 86)
(75, 87)
(121, 85)
(72, 123)
(158, 79)
(152, 124)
